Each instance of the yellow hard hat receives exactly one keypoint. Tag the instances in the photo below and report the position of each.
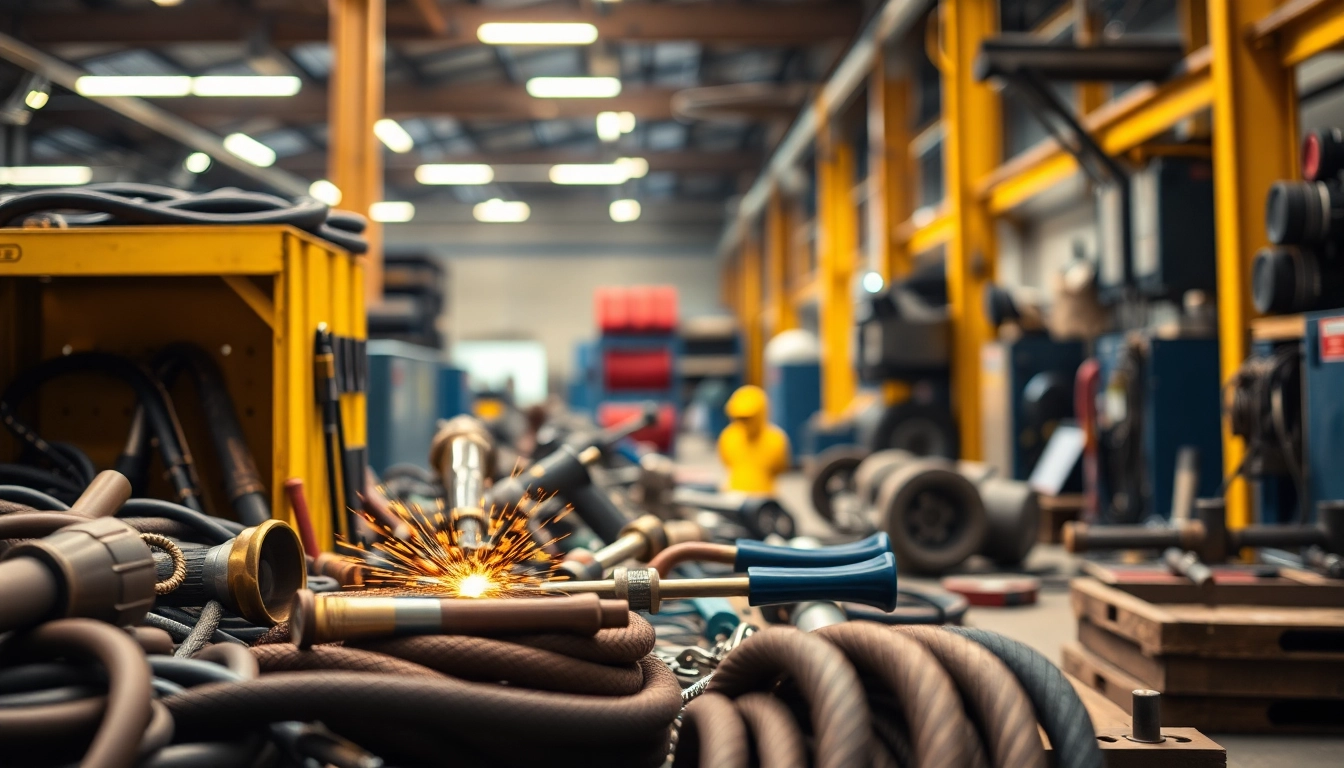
(746, 402)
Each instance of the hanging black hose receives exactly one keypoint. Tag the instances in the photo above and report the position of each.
(112, 204)
(149, 392)
(1124, 440)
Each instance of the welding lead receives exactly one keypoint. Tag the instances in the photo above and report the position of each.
(871, 582)
(330, 617)
(463, 454)
(641, 539)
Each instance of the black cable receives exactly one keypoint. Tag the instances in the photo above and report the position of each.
(35, 499)
(213, 527)
(39, 479)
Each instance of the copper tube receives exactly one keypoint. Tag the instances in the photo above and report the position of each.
(644, 591)
(326, 618)
(340, 568)
(298, 502)
(692, 551)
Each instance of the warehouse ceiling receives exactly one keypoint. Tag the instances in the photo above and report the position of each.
(711, 86)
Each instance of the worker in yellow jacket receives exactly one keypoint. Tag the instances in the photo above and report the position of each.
(752, 449)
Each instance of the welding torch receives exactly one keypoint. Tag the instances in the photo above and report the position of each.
(641, 539)
(749, 553)
(871, 582)
(463, 454)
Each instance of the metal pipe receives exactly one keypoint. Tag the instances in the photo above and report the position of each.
(327, 618)
(642, 539)
(463, 454)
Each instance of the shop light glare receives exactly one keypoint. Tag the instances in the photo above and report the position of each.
(151, 86)
(559, 33)
(250, 149)
(270, 86)
(36, 99)
(635, 167)
(589, 173)
(623, 211)
(393, 136)
(627, 121)
(325, 191)
(46, 175)
(608, 126)
(171, 3)
(497, 211)
(197, 162)
(460, 174)
(392, 212)
(872, 282)
(574, 87)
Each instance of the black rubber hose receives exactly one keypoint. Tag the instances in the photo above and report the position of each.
(35, 499)
(1058, 709)
(38, 479)
(213, 527)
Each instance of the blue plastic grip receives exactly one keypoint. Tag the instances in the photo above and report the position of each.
(754, 554)
(719, 616)
(871, 582)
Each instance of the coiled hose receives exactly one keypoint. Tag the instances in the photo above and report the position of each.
(121, 203)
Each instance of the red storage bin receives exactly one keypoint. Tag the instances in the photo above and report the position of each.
(636, 369)
(660, 433)
(636, 309)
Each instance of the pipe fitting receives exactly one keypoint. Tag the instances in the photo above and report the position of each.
(254, 575)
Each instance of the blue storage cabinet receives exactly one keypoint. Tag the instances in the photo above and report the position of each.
(455, 396)
(795, 396)
(403, 403)
(1323, 377)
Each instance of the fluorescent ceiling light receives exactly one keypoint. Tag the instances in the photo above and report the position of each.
(197, 162)
(246, 85)
(250, 149)
(627, 121)
(574, 87)
(455, 173)
(155, 86)
(559, 33)
(589, 173)
(635, 167)
(325, 191)
(36, 99)
(393, 136)
(623, 211)
(392, 212)
(46, 175)
(496, 211)
(171, 3)
(608, 126)
(872, 282)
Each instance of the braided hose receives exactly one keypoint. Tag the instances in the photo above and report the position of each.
(712, 735)
(778, 742)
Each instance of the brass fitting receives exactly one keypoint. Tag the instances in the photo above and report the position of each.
(254, 575)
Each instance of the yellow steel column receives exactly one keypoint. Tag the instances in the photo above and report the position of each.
(355, 103)
(972, 147)
(836, 242)
(778, 234)
(1254, 143)
(889, 171)
(750, 287)
(1087, 32)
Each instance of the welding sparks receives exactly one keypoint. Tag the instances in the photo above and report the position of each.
(427, 559)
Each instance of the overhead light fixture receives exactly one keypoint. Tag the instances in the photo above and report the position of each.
(627, 121)
(325, 191)
(246, 85)
(589, 173)
(152, 86)
(463, 174)
(250, 149)
(197, 162)
(36, 99)
(623, 211)
(392, 212)
(393, 136)
(574, 87)
(557, 33)
(46, 175)
(497, 211)
(635, 167)
(171, 3)
(609, 126)
(873, 282)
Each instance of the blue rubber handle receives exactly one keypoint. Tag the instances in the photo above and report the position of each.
(719, 616)
(754, 554)
(871, 582)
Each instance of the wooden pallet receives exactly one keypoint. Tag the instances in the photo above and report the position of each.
(1246, 620)
(1222, 714)
(1181, 748)
(1055, 512)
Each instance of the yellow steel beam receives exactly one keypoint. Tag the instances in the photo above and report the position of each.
(1254, 143)
(750, 287)
(889, 167)
(972, 150)
(778, 236)
(355, 159)
(1301, 28)
(836, 242)
(1087, 32)
(1143, 114)
(922, 239)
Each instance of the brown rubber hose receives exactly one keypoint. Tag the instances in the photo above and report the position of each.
(941, 734)
(688, 551)
(29, 591)
(286, 658)
(470, 711)
(235, 658)
(834, 694)
(992, 693)
(128, 711)
(779, 743)
(67, 720)
(712, 735)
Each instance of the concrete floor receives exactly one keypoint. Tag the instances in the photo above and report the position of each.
(1049, 624)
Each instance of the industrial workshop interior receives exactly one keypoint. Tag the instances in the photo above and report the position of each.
(672, 383)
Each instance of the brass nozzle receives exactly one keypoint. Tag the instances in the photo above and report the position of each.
(255, 574)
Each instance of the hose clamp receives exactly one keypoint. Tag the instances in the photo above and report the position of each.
(638, 587)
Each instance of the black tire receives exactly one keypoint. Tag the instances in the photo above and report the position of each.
(934, 516)
(876, 468)
(924, 430)
(1014, 512)
(834, 474)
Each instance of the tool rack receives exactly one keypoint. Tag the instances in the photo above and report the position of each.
(252, 296)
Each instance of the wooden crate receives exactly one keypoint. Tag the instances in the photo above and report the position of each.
(1055, 512)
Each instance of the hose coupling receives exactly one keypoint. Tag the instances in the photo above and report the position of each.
(254, 575)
